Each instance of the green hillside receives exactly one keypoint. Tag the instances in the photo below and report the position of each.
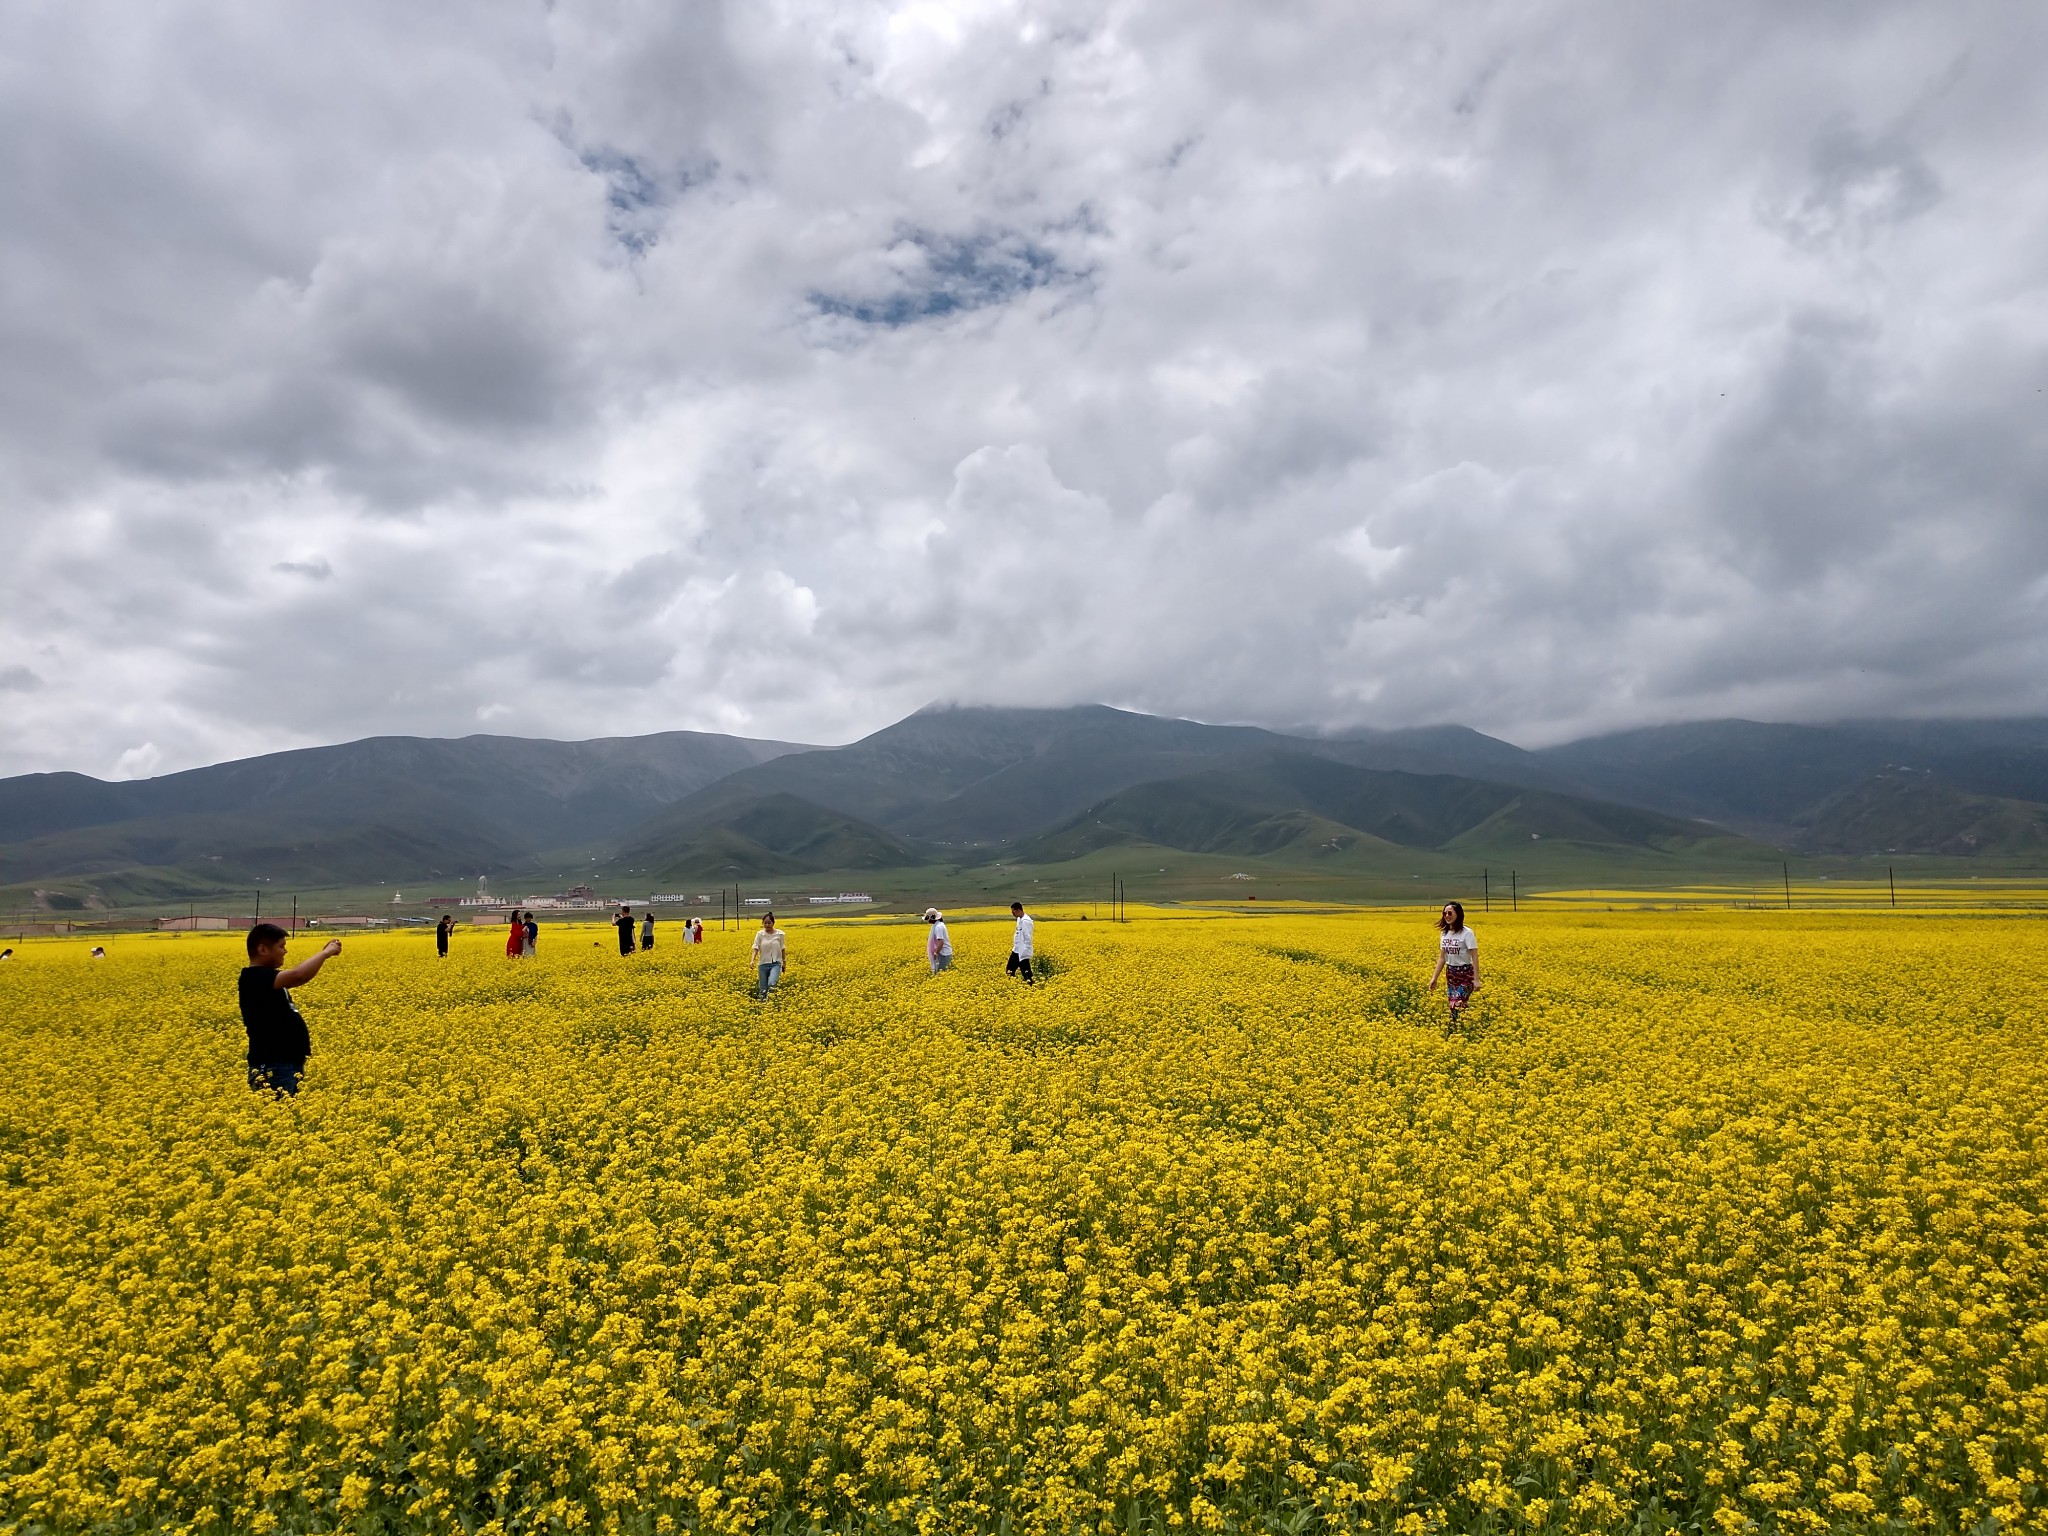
(1313, 808)
(760, 836)
(200, 853)
(1907, 812)
(1195, 815)
(380, 810)
(966, 778)
(1773, 780)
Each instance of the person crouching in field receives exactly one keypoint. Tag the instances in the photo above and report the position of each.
(768, 954)
(1020, 945)
(938, 946)
(1457, 959)
(278, 1041)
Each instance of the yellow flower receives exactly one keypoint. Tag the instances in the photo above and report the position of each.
(1730, 1213)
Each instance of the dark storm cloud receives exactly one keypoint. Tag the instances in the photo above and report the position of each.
(576, 368)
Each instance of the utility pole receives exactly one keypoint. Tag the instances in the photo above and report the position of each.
(259, 906)
(1787, 871)
(721, 909)
(295, 914)
(1892, 881)
(1514, 890)
(1486, 888)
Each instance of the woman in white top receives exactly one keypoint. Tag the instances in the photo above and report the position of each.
(1457, 958)
(938, 947)
(768, 955)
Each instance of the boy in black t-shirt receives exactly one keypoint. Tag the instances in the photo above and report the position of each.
(278, 1042)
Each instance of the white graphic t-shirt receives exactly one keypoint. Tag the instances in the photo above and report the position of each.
(1459, 948)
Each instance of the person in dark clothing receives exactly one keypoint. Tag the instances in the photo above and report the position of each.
(278, 1041)
(647, 931)
(624, 923)
(441, 931)
(532, 933)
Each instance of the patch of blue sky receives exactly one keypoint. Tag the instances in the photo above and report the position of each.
(939, 275)
(638, 198)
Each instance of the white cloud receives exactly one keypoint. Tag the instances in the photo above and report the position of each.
(1374, 560)
(780, 369)
(138, 762)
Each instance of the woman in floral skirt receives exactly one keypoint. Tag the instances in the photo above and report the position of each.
(1457, 958)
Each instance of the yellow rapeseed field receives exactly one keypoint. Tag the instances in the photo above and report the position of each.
(1712, 1222)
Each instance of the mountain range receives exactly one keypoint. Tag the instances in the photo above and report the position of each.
(963, 786)
(389, 807)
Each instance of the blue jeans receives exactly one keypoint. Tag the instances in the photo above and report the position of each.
(276, 1076)
(941, 963)
(770, 974)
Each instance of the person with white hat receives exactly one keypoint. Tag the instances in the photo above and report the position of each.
(938, 946)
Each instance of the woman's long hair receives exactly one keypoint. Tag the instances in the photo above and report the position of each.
(1456, 922)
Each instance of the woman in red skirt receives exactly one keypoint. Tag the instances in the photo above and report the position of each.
(515, 936)
(1457, 958)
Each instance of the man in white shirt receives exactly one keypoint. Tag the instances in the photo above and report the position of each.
(1020, 945)
(939, 946)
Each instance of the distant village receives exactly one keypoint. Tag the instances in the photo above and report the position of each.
(581, 898)
(485, 906)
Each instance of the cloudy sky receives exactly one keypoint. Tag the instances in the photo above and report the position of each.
(595, 368)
